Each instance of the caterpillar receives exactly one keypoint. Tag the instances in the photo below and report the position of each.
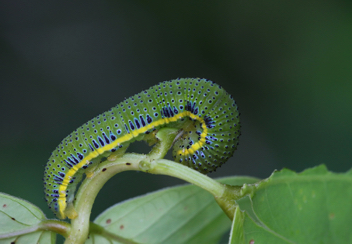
(206, 115)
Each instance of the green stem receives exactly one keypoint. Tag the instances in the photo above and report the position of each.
(60, 227)
(227, 201)
(57, 226)
(170, 168)
(89, 190)
(225, 195)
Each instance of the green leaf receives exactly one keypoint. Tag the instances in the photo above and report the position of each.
(309, 207)
(19, 222)
(183, 214)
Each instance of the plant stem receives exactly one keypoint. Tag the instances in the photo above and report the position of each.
(89, 190)
(54, 225)
(225, 195)
(170, 168)
(60, 227)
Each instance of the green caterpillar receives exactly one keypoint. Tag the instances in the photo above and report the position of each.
(205, 113)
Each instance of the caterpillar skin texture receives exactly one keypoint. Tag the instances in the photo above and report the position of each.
(205, 113)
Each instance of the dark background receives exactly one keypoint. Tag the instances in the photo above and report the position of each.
(288, 64)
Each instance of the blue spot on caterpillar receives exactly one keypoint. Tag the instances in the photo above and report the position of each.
(205, 112)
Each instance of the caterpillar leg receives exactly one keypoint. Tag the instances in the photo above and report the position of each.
(165, 138)
(119, 153)
(151, 138)
(70, 211)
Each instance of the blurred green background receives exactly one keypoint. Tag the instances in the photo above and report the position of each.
(288, 64)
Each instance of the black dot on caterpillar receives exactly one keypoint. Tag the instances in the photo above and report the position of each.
(204, 111)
